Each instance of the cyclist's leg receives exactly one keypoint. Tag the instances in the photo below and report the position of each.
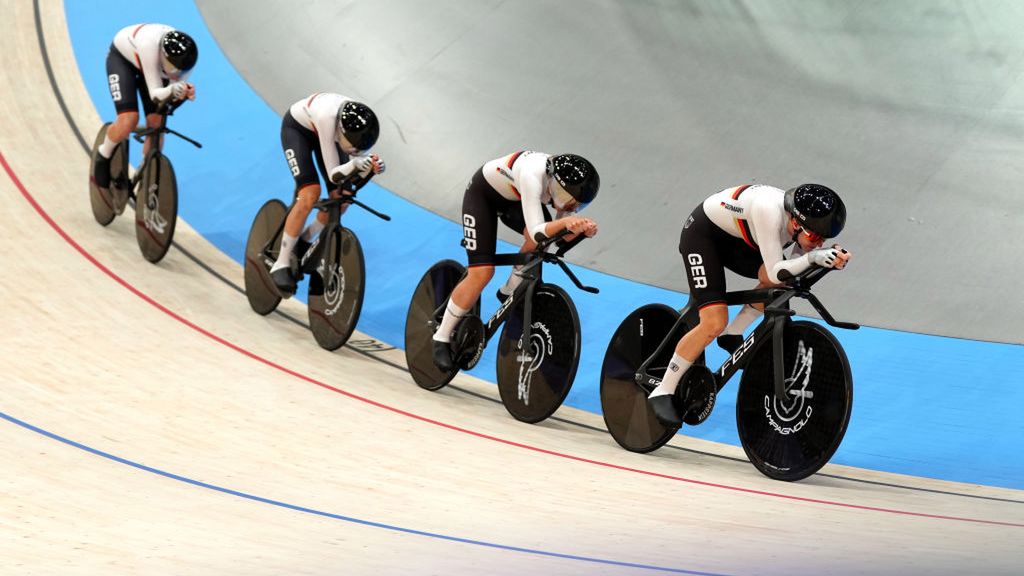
(514, 219)
(745, 263)
(298, 145)
(123, 81)
(153, 119)
(318, 223)
(480, 238)
(700, 246)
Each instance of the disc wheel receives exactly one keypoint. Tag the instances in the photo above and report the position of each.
(156, 208)
(431, 293)
(627, 415)
(336, 289)
(792, 439)
(259, 257)
(532, 386)
(102, 203)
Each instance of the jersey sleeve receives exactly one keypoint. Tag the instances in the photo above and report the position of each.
(325, 129)
(767, 222)
(531, 188)
(150, 60)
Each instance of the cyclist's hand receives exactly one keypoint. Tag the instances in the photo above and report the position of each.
(378, 164)
(190, 91)
(578, 224)
(363, 164)
(826, 257)
(842, 257)
(179, 90)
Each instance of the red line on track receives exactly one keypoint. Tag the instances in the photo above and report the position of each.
(67, 238)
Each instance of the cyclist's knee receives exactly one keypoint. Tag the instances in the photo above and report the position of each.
(306, 198)
(126, 121)
(479, 276)
(713, 321)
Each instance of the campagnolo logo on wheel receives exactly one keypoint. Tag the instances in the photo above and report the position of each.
(541, 345)
(334, 286)
(789, 416)
(152, 218)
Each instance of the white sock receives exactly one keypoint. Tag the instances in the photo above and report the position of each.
(513, 282)
(676, 368)
(747, 315)
(452, 315)
(284, 259)
(312, 230)
(107, 148)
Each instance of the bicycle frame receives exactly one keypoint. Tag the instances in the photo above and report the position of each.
(157, 149)
(333, 208)
(531, 273)
(776, 310)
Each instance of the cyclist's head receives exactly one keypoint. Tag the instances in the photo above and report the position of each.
(358, 125)
(179, 50)
(574, 181)
(817, 208)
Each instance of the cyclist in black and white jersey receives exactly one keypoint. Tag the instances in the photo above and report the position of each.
(148, 60)
(748, 230)
(516, 190)
(332, 133)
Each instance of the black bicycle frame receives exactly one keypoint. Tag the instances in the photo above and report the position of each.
(157, 149)
(531, 273)
(347, 195)
(776, 309)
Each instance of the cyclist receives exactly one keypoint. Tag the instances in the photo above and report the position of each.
(338, 131)
(514, 189)
(151, 60)
(746, 229)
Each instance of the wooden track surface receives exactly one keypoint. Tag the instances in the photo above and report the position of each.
(201, 438)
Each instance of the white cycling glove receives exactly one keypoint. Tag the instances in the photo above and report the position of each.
(178, 89)
(362, 164)
(824, 257)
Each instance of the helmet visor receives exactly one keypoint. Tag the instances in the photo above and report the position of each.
(562, 200)
(170, 69)
(346, 146)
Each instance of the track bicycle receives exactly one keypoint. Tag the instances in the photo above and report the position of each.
(333, 261)
(533, 381)
(794, 399)
(152, 190)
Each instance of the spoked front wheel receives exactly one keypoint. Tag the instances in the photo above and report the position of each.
(261, 249)
(627, 415)
(156, 208)
(104, 207)
(336, 289)
(534, 384)
(792, 439)
(430, 295)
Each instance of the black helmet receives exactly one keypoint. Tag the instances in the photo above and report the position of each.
(817, 208)
(180, 50)
(576, 175)
(358, 124)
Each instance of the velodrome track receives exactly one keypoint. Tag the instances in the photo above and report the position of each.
(153, 424)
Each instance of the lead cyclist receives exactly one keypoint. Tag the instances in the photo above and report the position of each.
(747, 229)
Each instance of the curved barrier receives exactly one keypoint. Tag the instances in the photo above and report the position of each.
(927, 406)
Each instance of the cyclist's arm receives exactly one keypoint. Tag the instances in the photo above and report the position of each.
(767, 221)
(531, 189)
(150, 60)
